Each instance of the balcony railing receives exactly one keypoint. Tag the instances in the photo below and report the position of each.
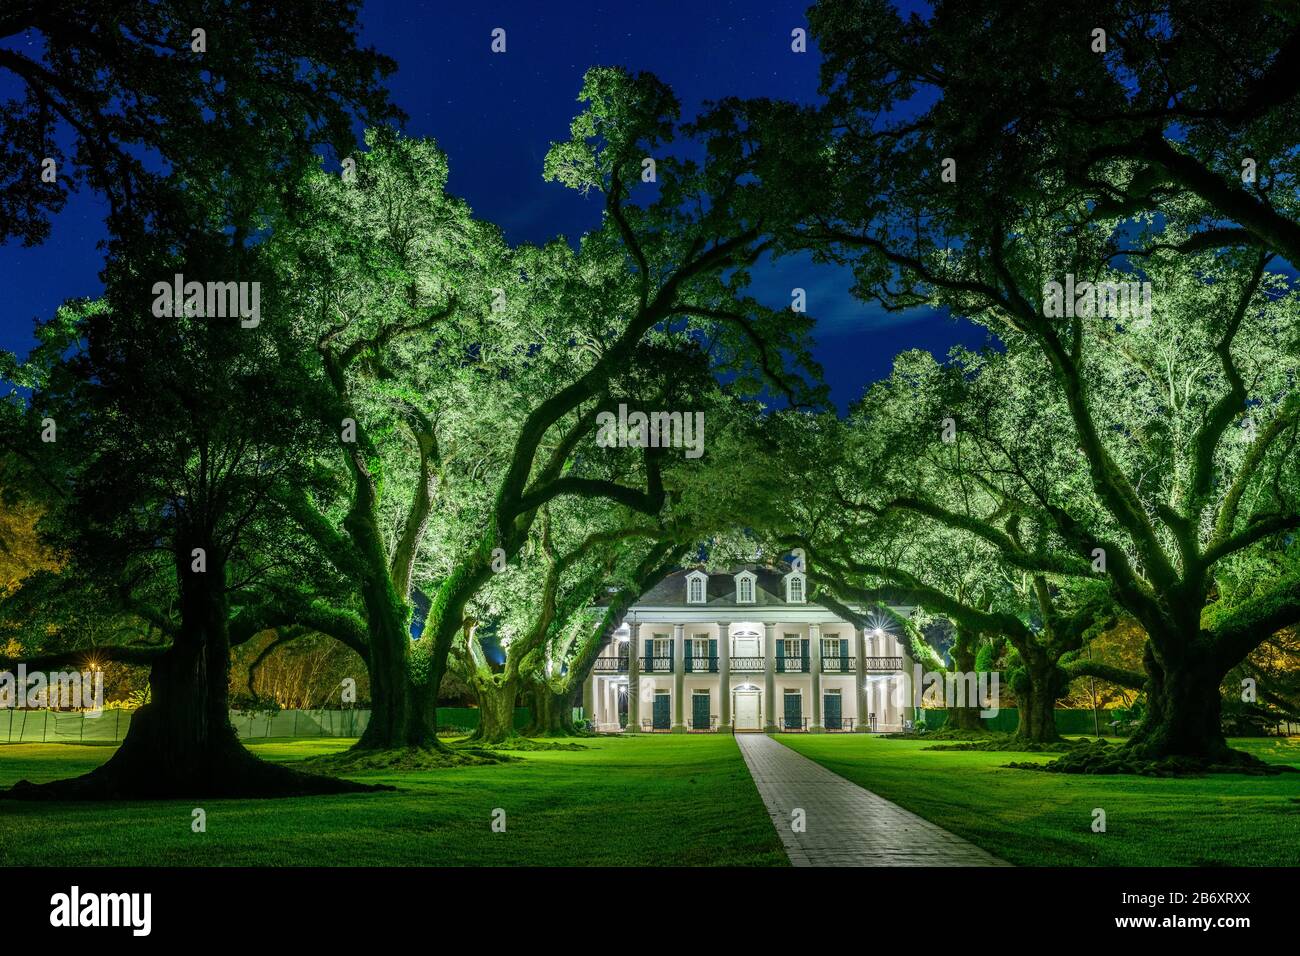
(794, 725)
(698, 726)
(792, 665)
(657, 665)
(610, 665)
(746, 664)
(702, 665)
(883, 663)
(838, 725)
(838, 665)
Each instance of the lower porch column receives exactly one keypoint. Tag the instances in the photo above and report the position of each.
(815, 662)
(860, 675)
(911, 693)
(679, 677)
(724, 673)
(634, 678)
(769, 679)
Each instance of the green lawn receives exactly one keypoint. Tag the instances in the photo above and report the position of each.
(1039, 819)
(662, 801)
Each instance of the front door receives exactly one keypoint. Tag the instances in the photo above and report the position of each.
(700, 710)
(793, 711)
(834, 717)
(662, 719)
(747, 710)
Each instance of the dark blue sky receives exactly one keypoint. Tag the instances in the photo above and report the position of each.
(496, 114)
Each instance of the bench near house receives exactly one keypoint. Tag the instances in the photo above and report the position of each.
(746, 652)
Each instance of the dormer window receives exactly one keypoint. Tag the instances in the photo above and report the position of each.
(697, 587)
(746, 587)
(794, 588)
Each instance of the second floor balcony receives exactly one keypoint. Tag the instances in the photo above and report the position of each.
(656, 665)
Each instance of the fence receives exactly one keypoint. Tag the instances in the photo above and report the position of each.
(49, 726)
(1067, 721)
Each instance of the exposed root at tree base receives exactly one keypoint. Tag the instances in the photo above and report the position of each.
(404, 758)
(1099, 757)
(235, 775)
(998, 743)
(945, 734)
(525, 744)
(559, 734)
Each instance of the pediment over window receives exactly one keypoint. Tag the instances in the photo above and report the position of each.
(697, 588)
(796, 587)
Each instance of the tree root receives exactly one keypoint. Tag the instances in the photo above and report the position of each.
(997, 743)
(231, 773)
(1099, 757)
(405, 759)
(524, 744)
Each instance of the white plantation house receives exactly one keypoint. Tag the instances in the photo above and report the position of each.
(746, 652)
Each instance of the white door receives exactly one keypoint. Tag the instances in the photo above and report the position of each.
(747, 710)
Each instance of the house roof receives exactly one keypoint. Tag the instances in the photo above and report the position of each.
(769, 589)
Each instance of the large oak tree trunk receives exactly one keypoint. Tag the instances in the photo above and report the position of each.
(1037, 687)
(496, 709)
(1183, 710)
(182, 744)
(552, 713)
(401, 712)
(963, 658)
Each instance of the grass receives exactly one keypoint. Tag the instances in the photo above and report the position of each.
(1037, 819)
(662, 801)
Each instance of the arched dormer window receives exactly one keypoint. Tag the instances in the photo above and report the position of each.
(795, 588)
(746, 587)
(697, 590)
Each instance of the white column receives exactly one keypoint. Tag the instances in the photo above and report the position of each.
(860, 677)
(679, 677)
(724, 677)
(908, 711)
(769, 678)
(634, 676)
(815, 661)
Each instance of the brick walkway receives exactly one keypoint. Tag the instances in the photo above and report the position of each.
(845, 824)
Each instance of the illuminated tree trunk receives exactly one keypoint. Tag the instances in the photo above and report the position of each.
(1184, 710)
(497, 694)
(552, 712)
(965, 717)
(1038, 685)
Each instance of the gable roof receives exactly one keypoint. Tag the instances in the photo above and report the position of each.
(768, 589)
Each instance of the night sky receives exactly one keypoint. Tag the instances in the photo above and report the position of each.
(495, 116)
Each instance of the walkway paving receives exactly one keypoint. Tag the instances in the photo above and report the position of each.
(845, 825)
